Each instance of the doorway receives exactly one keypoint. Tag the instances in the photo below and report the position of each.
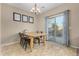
(55, 26)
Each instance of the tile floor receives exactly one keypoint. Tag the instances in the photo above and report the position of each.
(51, 49)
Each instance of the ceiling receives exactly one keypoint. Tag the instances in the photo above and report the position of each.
(43, 6)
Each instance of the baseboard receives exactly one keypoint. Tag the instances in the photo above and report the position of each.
(74, 46)
(7, 44)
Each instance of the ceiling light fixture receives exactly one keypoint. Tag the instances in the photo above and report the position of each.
(35, 10)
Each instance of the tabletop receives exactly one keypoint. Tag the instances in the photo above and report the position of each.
(34, 34)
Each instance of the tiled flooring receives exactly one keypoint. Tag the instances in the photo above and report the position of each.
(51, 49)
(0, 50)
(77, 52)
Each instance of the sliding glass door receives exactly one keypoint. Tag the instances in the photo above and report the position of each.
(55, 27)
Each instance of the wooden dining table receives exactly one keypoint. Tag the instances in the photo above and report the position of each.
(32, 35)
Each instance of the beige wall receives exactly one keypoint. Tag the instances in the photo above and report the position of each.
(74, 20)
(10, 28)
(0, 23)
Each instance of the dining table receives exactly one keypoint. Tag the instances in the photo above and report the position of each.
(32, 35)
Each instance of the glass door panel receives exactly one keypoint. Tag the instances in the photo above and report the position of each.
(51, 29)
(59, 28)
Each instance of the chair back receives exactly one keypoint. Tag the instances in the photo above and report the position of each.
(21, 35)
(37, 31)
(41, 32)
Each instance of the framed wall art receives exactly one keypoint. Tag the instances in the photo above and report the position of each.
(31, 19)
(24, 18)
(16, 16)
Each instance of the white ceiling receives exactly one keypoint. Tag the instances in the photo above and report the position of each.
(43, 6)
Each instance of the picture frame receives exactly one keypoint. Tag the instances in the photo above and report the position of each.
(24, 18)
(16, 16)
(31, 19)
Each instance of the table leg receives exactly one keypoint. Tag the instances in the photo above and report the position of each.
(44, 40)
(31, 43)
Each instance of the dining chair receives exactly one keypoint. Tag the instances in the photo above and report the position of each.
(41, 37)
(24, 40)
